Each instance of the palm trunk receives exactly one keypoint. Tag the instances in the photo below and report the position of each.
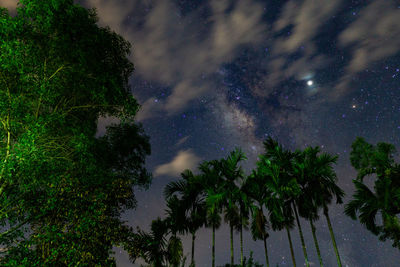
(301, 236)
(193, 238)
(266, 251)
(316, 243)
(291, 247)
(332, 236)
(213, 246)
(241, 245)
(232, 260)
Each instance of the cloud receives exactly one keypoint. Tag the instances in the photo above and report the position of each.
(112, 13)
(303, 21)
(182, 140)
(11, 5)
(374, 35)
(151, 107)
(172, 50)
(306, 19)
(185, 159)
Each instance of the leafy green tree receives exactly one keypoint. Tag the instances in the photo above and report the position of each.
(62, 190)
(376, 160)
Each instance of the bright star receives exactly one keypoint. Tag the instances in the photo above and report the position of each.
(310, 82)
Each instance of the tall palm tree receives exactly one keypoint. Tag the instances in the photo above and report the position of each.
(211, 184)
(244, 204)
(231, 173)
(254, 188)
(368, 159)
(306, 169)
(323, 188)
(297, 171)
(317, 180)
(175, 222)
(275, 165)
(192, 198)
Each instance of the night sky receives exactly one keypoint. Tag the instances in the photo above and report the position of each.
(213, 75)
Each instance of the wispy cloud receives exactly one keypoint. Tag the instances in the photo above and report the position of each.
(185, 159)
(372, 37)
(182, 140)
(171, 49)
(303, 21)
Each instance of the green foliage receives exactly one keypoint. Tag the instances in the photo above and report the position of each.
(157, 248)
(62, 190)
(378, 160)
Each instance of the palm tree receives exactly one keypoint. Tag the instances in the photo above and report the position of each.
(244, 204)
(151, 247)
(275, 167)
(306, 169)
(211, 180)
(231, 174)
(297, 171)
(175, 222)
(317, 180)
(368, 159)
(192, 198)
(160, 247)
(323, 188)
(254, 188)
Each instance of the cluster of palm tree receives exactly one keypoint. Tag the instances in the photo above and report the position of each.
(284, 186)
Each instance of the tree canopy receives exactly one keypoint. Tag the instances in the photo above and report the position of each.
(62, 189)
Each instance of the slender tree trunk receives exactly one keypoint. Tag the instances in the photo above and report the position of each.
(232, 259)
(213, 246)
(266, 251)
(316, 243)
(301, 236)
(193, 238)
(332, 236)
(241, 245)
(291, 247)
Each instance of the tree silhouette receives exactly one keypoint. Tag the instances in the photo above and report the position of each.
(211, 180)
(192, 201)
(378, 160)
(275, 165)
